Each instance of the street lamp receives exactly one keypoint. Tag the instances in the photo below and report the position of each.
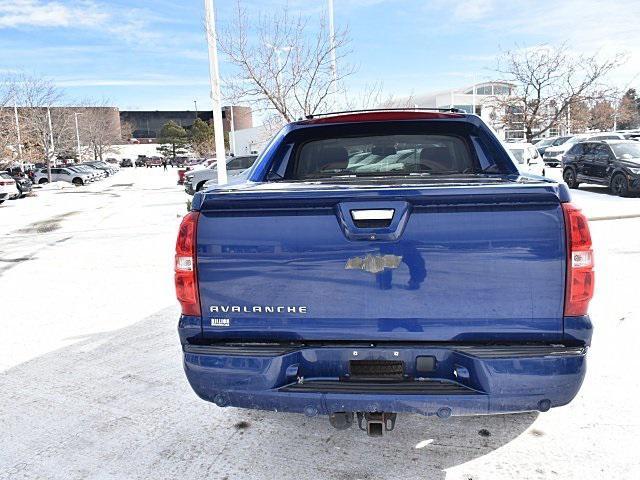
(332, 45)
(15, 113)
(214, 77)
(52, 148)
(278, 51)
(75, 114)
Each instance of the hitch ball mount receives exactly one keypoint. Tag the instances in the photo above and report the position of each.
(374, 423)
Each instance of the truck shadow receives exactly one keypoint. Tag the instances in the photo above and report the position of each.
(117, 404)
(419, 447)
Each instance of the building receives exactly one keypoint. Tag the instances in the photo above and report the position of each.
(252, 140)
(147, 124)
(483, 99)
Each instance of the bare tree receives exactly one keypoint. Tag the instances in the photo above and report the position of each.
(36, 98)
(549, 81)
(283, 64)
(99, 127)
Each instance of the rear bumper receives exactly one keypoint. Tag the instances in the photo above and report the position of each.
(466, 380)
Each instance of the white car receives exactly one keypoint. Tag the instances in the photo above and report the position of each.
(195, 180)
(526, 158)
(8, 187)
(553, 155)
(61, 175)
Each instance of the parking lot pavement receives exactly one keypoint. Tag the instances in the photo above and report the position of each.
(91, 382)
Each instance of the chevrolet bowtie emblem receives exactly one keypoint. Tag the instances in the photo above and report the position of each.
(373, 263)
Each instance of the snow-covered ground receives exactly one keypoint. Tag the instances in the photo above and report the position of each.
(91, 382)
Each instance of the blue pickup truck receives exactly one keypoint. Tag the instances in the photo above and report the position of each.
(382, 262)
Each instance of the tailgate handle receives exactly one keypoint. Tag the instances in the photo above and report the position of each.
(378, 218)
(380, 214)
(374, 219)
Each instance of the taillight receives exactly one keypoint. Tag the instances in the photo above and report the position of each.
(185, 267)
(580, 276)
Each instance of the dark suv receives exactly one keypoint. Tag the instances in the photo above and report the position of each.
(614, 163)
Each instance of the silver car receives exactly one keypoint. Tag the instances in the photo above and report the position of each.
(61, 175)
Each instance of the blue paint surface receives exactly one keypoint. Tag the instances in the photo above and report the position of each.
(480, 261)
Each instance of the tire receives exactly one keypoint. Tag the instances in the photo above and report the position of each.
(544, 173)
(42, 181)
(200, 185)
(1, 202)
(77, 182)
(619, 185)
(569, 177)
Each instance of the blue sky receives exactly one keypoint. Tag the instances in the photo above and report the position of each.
(142, 54)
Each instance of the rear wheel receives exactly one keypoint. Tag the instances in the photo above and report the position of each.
(77, 182)
(42, 180)
(200, 185)
(620, 185)
(569, 177)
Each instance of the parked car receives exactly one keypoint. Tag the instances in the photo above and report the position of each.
(195, 180)
(553, 155)
(92, 174)
(614, 163)
(153, 162)
(23, 183)
(545, 143)
(527, 158)
(105, 167)
(59, 174)
(179, 161)
(181, 174)
(126, 162)
(141, 161)
(8, 187)
(448, 286)
(100, 174)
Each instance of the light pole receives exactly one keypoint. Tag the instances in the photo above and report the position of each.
(51, 151)
(232, 136)
(75, 114)
(15, 112)
(195, 104)
(474, 95)
(332, 46)
(214, 76)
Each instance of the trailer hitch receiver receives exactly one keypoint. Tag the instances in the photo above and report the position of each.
(376, 423)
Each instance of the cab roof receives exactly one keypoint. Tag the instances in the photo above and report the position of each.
(382, 115)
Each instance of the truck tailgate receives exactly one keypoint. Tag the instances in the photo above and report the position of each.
(478, 263)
